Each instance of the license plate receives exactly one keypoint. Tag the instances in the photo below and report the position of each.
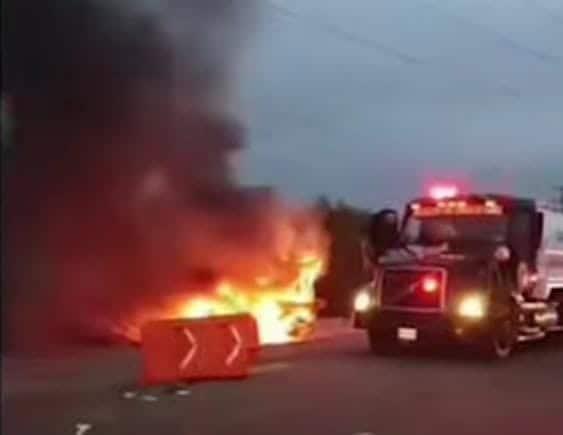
(407, 334)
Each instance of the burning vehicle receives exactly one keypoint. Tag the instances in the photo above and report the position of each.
(280, 295)
(481, 269)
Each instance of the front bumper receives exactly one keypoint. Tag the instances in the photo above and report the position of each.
(430, 327)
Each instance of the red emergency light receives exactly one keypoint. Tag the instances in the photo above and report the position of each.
(443, 191)
(430, 284)
(455, 207)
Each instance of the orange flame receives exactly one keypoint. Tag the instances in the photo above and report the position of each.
(281, 299)
(283, 313)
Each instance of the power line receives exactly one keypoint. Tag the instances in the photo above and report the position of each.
(552, 13)
(346, 35)
(501, 38)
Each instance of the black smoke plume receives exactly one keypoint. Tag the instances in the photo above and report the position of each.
(120, 190)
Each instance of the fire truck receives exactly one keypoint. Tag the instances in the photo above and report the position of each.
(482, 270)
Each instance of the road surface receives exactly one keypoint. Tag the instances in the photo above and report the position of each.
(330, 387)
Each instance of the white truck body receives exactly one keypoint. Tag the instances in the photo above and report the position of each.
(550, 255)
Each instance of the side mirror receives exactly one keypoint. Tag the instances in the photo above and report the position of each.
(383, 232)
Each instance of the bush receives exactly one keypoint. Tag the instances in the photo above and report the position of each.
(345, 225)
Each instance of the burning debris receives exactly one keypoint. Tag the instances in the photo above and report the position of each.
(121, 201)
(273, 281)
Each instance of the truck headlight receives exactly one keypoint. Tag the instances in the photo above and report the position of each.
(472, 306)
(362, 301)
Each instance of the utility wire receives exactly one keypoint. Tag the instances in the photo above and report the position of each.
(554, 14)
(344, 34)
(348, 36)
(538, 55)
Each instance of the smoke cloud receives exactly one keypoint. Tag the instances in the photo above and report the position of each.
(121, 190)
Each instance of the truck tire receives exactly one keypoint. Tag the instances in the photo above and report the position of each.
(500, 342)
(502, 336)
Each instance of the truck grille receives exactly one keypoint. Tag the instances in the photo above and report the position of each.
(403, 289)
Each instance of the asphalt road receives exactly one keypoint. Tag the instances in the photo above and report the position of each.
(330, 387)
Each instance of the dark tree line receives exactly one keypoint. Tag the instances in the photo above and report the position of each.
(346, 225)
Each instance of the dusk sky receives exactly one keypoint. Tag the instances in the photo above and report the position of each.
(367, 100)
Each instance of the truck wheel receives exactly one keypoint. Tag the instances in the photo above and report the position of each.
(499, 344)
(380, 344)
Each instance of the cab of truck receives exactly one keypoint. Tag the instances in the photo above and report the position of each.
(457, 267)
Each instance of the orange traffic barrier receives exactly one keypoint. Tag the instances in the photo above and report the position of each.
(178, 350)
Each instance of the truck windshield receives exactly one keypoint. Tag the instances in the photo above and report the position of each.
(439, 229)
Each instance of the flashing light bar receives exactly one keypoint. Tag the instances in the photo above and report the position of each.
(459, 208)
(443, 191)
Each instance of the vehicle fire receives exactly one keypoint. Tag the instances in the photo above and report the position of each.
(278, 291)
(484, 270)
(145, 218)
